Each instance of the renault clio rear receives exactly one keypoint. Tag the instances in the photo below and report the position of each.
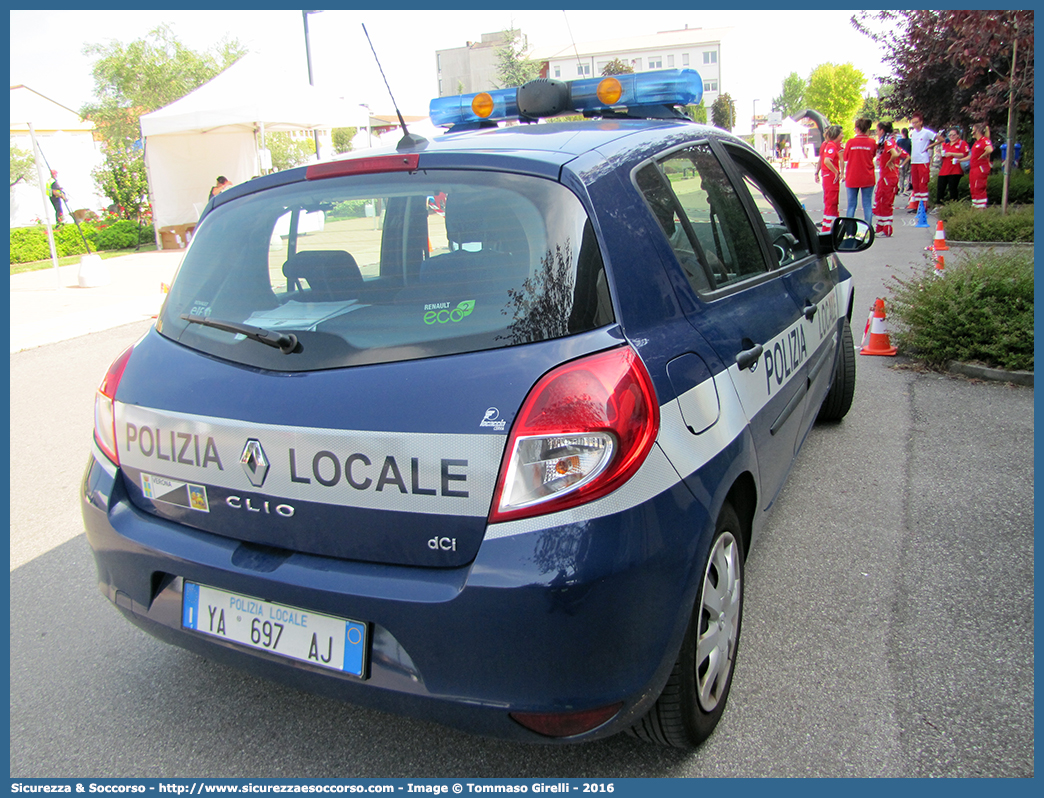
(479, 429)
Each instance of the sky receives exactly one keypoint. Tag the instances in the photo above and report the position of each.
(764, 45)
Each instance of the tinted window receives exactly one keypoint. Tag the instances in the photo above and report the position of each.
(704, 218)
(390, 267)
(787, 232)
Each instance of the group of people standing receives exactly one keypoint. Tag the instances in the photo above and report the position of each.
(855, 163)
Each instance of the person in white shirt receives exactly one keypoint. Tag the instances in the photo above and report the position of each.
(922, 140)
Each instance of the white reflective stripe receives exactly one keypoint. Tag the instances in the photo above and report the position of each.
(877, 326)
(691, 452)
(783, 357)
(409, 472)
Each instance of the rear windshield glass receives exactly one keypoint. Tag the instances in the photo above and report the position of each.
(381, 268)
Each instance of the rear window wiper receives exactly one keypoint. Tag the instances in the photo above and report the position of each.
(286, 343)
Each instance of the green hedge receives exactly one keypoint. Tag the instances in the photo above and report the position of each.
(965, 223)
(1020, 189)
(30, 243)
(980, 309)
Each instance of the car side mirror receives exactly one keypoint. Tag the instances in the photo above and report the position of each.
(847, 234)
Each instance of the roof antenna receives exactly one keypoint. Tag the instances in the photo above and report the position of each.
(572, 41)
(409, 139)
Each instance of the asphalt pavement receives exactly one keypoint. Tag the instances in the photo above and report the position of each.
(50, 305)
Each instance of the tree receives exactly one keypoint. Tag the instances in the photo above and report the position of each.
(514, 67)
(23, 166)
(723, 112)
(791, 100)
(836, 91)
(617, 67)
(288, 152)
(959, 66)
(134, 79)
(342, 138)
(149, 73)
(879, 106)
(697, 113)
(122, 179)
(955, 67)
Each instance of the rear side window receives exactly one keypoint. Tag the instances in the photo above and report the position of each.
(381, 268)
(704, 218)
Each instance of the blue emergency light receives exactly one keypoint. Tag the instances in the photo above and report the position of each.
(638, 94)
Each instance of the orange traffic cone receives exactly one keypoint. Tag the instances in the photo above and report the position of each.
(940, 238)
(940, 264)
(879, 342)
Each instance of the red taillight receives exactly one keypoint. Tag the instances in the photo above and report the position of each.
(565, 724)
(363, 166)
(105, 407)
(583, 431)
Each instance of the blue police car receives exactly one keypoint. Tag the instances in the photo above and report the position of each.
(480, 429)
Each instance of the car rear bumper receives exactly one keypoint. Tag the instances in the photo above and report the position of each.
(565, 618)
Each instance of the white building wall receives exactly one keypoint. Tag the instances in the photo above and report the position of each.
(74, 155)
(649, 59)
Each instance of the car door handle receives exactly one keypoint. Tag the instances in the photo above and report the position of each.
(809, 310)
(748, 358)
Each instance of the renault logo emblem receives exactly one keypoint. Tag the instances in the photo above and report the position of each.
(254, 462)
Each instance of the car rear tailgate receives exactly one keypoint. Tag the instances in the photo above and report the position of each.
(392, 463)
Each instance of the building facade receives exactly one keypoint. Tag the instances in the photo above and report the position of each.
(688, 48)
(473, 67)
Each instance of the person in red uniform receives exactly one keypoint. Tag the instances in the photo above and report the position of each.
(980, 164)
(829, 167)
(954, 150)
(859, 169)
(889, 157)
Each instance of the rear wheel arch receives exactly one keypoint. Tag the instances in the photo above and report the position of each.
(693, 699)
(743, 497)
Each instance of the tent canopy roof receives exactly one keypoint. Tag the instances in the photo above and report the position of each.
(28, 105)
(249, 93)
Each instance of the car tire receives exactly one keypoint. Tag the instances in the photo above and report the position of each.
(838, 400)
(693, 700)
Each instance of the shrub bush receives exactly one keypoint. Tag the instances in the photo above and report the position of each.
(965, 223)
(120, 235)
(981, 309)
(347, 210)
(68, 241)
(30, 243)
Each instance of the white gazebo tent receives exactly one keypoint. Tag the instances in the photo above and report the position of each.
(219, 129)
(800, 134)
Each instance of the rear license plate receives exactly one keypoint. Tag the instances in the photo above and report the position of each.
(335, 643)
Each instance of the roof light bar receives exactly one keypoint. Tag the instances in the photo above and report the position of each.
(461, 109)
(663, 87)
(547, 97)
